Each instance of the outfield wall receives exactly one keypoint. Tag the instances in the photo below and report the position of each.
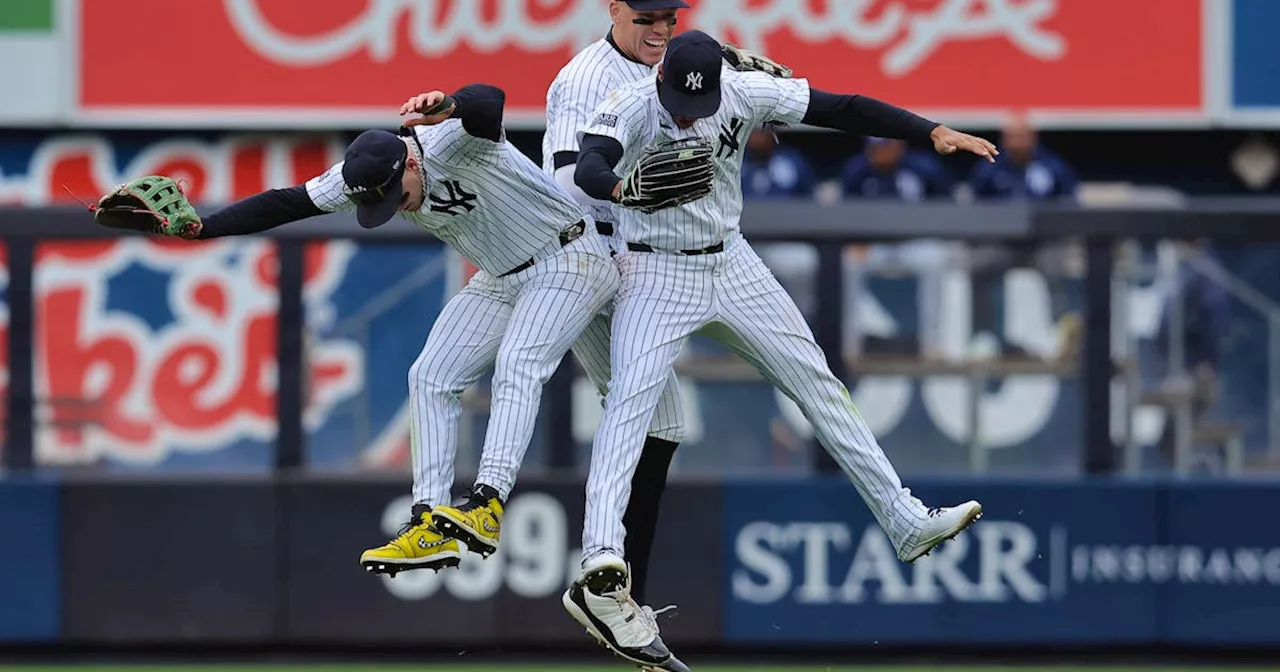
(750, 564)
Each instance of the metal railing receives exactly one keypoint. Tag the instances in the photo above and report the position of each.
(830, 228)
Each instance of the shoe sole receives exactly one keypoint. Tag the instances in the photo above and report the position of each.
(927, 547)
(672, 665)
(437, 562)
(453, 528)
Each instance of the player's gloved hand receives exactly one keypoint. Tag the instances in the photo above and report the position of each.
(668, 174)
(743, 60)
(151, 204)
(948, 141)
(434, 107)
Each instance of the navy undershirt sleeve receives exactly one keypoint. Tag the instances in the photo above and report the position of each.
(480, 106)
(866, 116)
(597, 155)
(260, 212)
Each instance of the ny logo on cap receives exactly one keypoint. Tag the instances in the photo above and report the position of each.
(694, 81)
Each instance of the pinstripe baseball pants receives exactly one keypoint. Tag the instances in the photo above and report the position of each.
(666, 297)
(521, 325)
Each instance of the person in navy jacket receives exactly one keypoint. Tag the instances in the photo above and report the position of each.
(773, 170)
(1025, 169)
(886, 169)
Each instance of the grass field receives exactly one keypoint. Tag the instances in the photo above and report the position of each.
(617, 667)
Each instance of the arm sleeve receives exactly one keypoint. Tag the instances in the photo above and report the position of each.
(563, 159)
(602, 144)
(259, 213)
(594, 173)
(479, 107)
(866, 116)
(323, 193)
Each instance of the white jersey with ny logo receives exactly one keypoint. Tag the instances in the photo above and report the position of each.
(486, 199)
(578, 88)
(634, 117)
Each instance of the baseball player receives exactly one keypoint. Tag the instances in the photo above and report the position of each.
(630, 50)
(544, 273)
(686, 266)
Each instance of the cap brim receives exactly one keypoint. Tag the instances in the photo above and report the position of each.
(376, 214)
(681, 104)
(656, 6)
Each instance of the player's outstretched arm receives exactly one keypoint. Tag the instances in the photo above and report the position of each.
(158, 205)
(261, 212)
(597, 156)
(867, 116)
(478, 106)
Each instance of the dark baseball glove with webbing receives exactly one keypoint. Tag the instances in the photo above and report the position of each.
(151, 204)
(669, 174)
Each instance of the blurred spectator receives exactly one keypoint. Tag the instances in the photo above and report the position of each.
(774, 170)
(887, 169)
(1024, 170)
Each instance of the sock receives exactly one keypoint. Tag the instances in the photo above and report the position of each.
(641, 517)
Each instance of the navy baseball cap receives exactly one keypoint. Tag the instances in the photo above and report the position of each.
(655, 5)
(690, 85)
(373, 170)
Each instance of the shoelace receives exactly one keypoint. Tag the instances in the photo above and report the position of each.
(414, 521)
(650, 617)
(655, 612)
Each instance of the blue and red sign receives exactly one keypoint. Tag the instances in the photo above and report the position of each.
(1049, 563)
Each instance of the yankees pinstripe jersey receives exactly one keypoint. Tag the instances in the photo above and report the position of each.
(634, 117)
(574, 94)
(486, 199)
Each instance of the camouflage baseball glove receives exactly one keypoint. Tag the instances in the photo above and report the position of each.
(669, 174)
(152, 204)
(743, 60)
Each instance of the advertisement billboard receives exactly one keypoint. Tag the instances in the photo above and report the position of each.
(170, 561)
(351, 63)
(749, 564)
(1050, 562)
(31, 564)
(1252, 76)
(512, 597)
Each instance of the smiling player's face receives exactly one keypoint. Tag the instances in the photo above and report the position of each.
(642, 35)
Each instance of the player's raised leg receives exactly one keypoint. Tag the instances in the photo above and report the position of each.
(461, 346)
(649, 326)
(772, 334)
(553, 305)
(666, 430)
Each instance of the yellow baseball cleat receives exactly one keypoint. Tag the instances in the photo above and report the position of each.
(476, 523)
(419, 546)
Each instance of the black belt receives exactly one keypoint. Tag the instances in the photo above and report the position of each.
(641, 247)
(566, 236)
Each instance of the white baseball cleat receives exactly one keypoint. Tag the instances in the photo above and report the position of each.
(601, 602)
(942, 524)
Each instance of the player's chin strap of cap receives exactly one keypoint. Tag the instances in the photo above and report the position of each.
(420, 154)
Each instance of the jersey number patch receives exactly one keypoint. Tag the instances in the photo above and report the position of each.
(457, 197)
(729, 143)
